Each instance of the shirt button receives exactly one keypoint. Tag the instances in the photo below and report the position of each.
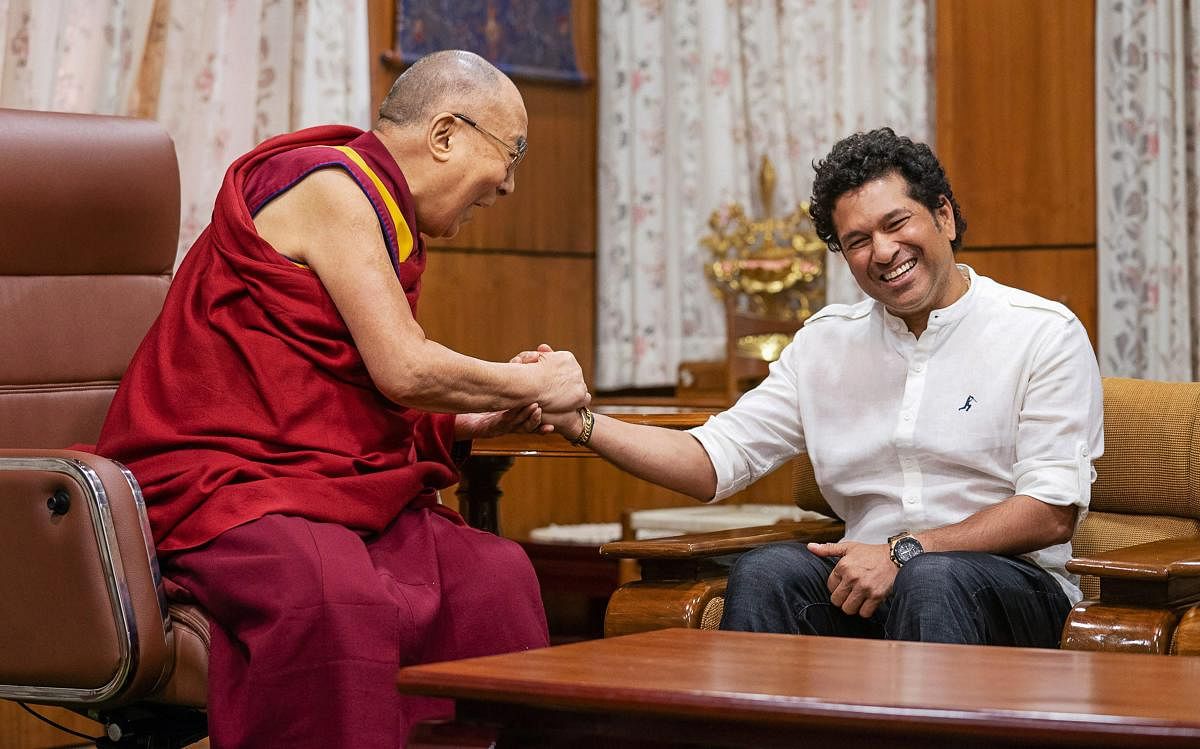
(1085, 452)
(918, 367)
(907, 416)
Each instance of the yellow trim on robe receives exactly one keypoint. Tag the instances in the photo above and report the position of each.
(404, 238)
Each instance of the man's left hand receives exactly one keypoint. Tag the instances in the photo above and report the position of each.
(862, 578)
(495, 423)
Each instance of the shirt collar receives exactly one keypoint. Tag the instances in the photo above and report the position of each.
(961, 306)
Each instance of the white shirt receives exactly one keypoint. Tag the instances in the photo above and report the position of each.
(999, 396)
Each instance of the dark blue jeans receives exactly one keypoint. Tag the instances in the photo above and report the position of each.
(959, 596)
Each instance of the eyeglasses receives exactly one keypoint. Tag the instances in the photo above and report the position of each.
(515, 154)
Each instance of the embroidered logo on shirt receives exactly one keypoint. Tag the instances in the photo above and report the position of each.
(967, 406)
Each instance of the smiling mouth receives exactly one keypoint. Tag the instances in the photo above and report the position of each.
(895, 273)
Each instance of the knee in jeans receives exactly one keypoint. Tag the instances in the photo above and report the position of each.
(926, 572)
(775, 565)
(765, 560)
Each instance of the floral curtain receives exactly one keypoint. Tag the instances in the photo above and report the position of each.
(220, 76)
(692, 95)
(1147, 81)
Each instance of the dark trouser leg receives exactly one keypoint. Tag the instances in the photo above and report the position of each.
(782, 588)
(976, 598)
(306, 637)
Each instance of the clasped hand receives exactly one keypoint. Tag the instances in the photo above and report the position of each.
(565, 421)
(566, 391)
(862, 578)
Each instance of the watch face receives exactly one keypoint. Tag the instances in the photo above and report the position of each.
(906, 548)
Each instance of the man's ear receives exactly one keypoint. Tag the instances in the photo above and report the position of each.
(944, 217)
(441, 131)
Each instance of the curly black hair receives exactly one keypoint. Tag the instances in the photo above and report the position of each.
(862, 157)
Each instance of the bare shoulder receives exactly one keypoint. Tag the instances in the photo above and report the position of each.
(325, 211)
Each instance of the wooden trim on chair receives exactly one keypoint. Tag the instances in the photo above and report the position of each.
(718, 543)
(660, 604)
(1163, 574)
(1096, 626)
(1186, 638)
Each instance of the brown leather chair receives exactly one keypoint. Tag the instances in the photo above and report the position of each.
(1137, 549)
(89, 222)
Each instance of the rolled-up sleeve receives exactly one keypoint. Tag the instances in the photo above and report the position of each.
(1060, 431)
(759, 433)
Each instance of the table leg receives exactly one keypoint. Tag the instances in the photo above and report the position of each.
(479, 490)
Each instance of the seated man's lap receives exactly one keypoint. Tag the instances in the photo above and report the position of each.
(282, 569)
(783, 587)
(487, 594)
(311, 621)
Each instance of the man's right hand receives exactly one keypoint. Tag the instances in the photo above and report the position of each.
(562, 376)
(563, 388)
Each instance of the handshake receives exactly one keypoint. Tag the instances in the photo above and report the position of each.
(561, 394)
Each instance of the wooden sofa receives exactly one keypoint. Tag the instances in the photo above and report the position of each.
(1137, 549)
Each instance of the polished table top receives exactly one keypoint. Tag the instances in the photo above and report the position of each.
(1045, 695)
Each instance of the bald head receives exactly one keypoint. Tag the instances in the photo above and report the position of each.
(446, 80)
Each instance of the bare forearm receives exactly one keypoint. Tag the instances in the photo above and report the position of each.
(435, 378)
(326, 222)
(1018, 525)
(667, 457)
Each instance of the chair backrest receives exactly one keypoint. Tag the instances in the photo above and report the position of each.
(805, 492)
(1147, 484)
(89, 224)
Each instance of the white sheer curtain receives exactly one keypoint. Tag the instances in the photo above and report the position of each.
(71, 55)
(1147, 124)
(692, 95)
(220, 76)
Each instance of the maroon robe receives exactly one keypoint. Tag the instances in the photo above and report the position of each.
(248, 395)
(292, 500)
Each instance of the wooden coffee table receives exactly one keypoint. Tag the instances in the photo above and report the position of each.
(725, 689)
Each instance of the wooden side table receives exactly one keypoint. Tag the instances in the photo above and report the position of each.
(479, 490)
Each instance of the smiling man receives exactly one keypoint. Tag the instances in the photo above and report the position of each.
(291, 425)
(951, 421)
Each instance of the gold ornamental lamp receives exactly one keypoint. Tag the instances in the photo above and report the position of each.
(770, 271)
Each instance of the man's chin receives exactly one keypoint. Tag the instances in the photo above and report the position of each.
(450, 231)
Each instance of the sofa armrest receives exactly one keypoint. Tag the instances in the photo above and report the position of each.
(85, 618)
(720, 543)
(1159, 573)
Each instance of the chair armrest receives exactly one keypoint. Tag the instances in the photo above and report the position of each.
(1160, 573)
(1157, 560)
(719, 543)
(683, 577)
(84, 617)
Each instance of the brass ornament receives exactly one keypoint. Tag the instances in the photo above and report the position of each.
(771, 268)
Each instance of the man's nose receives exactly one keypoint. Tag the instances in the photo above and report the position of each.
(884, 248)
(509, 185)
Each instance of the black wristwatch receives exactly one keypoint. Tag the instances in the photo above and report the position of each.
(904, 547)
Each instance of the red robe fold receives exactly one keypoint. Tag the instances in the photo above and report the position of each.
(248, 396)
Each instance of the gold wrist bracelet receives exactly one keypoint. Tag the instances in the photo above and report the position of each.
(589, 421)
